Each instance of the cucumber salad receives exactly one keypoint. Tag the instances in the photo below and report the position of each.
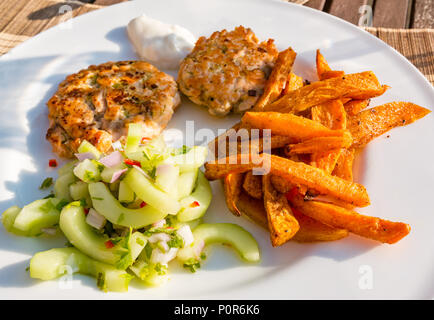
(127, 215)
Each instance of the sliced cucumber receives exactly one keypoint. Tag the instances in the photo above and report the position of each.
(84, 237)
(61, 186)
(145, 190)
(87, 171)
(126, 194)
(86, 146)
(8, 219)
(51, 264)
(113, 211)
(67, 168)
(135, 133)
(226, 233)
(107, 173)
(166, 178)
(79, 190)
(191, 160)
(195, 205)
(136, 244)
(37, 215)
(186, 182)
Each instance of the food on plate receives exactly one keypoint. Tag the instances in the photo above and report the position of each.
(232, 188)
(127, 214)
(373, 122)
(227, 71)
(98, 103)
(304, 189)
(164, 45)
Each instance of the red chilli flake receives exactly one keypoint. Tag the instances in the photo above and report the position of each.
(291, 194)
(143, 204)
(194, 204)
(86, 211)
(132, 162)
(144, 140)
(109, 244)
(52, 163)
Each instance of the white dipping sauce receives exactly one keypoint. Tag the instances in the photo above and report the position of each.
(161, 44)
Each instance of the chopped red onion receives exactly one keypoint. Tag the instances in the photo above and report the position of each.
(159, 223)
(159, 237)
(95, 219)
(159, 257)
(112, 160)
(199, 247)
(84, 156)
(117, 174)
(185, 233)
(49, 231)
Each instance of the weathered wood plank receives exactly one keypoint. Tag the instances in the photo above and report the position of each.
(423, 15)
(349, 10)
(392, 14)
(316, 4)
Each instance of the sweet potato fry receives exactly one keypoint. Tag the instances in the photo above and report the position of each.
(344, 166)
(285, 124)
(297, 173)
(232, 188)
(253, 185)
(277, 79)
(363, 85)
(353, 107)
(281, 222)
(332, 115)
(365, 226)
(294, 82)
(320, 145)
(313, 231)
(373, 122)
(323, 69)
(310, 229)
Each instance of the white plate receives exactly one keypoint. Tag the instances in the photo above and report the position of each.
(397, 172)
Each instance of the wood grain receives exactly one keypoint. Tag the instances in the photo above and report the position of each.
(423, 14)
(347, 9)
(392, 14)
(316, 4)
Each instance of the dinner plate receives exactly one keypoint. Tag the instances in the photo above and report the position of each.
(396, 169)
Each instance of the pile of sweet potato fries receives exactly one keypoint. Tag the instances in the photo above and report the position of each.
(316, 128)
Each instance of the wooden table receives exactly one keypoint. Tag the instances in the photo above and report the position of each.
(401, 14)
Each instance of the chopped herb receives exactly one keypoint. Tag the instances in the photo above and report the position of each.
(203, 256)
(140, 242)
(161, 269)
(61, 204)
(46, 183)
(100, 281)
(89, 176)
(175, 242)
(192, 265)
(28, 268)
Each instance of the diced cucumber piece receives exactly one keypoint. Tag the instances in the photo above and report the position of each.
(226, 233)
(166, 178)
(79, 190)
(145, 190)
(86, 146)
(51, 264)
(136, 244)
(37, 215)
(87, 171)
(195, 205)
(191, 160)
(84, 237)
(126, 194)
(113, 211)
(67, 168)
(61, 186)
(186, 183)
(8, 219)
(107, 173)
(135, 132)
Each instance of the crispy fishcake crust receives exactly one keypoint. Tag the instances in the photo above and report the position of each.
(227, 71)
(98, 103)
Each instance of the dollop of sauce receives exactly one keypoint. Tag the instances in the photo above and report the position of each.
(163, 45)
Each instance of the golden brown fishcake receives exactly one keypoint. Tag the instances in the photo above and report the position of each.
(98, 103)
(227, 71)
